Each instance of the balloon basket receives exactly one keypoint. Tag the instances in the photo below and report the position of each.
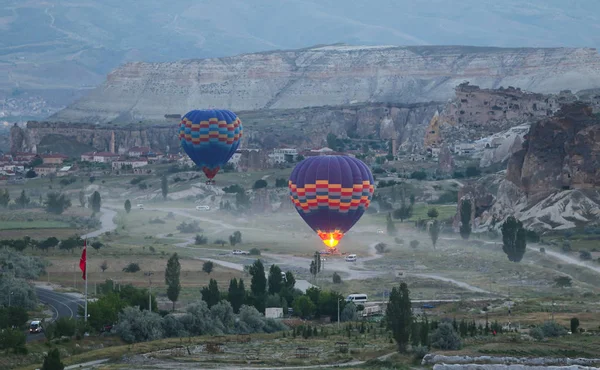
(210, 182)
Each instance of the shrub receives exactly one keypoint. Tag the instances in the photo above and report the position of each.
(208, 267)
(542, 250)
(381, 248)
(585, 255)
(139, 326)
(419, 352)
(446, 338)
(566, 247)
(254, 252)
(398, 240)
(132, 267)
(553, 329)
(414, 243)
(337, 279)
(200, 239)
(189, 228)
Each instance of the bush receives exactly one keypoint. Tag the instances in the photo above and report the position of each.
(208, 267)
(419, 352)
(381, 248)
(254, 252)
(585, 255)
(566, 247)
(553, 329)
(23, 295)
(398, 240)
(536, 333)
(337, 279)
(200, 239)
(139, 326)
(349, 313)
(542, 250)
(132, 267)
(446, 338)
(189, 228)
(156, 221)
(414, 243)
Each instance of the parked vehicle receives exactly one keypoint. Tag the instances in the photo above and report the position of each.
(361, 298)
(351, 258)
(140, 206)
(202, 208)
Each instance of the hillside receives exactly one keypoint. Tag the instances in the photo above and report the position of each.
(69, 47)
(328, 75)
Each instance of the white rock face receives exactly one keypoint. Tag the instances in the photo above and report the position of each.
(331, 75)
(442, 362)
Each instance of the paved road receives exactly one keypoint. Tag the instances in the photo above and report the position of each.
(61, 304)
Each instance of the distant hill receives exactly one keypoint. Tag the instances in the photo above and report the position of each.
(56, 49)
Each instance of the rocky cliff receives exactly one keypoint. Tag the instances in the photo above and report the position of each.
(329, 75)
(552, 181)
(265, 129)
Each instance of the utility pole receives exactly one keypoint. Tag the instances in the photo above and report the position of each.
(553, 310)
(149, 274)
(9, 298)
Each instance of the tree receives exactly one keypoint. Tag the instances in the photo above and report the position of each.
(259, 184)
(236, 294)
(290, 280)
(434, 232)
(104, 266)
(133, 267)
(304, 306)
(391, 228)
(57, 203)
(465, 218)
(127, 206)
(258, 284)
(275, 281)
(52, 361)
(23, 200)
(337, 279)
(4, 198)
(211, 294)
(514, 240)
(82, 199)
(574, 325)
(97, 245)
(445, 337)
(30, 174)
(208, 267)
(164, 186)
(96, 202)
(381, 248)
(172, 273)
(281, 183)
(51, 242)
(220, 241)
(403, 213)
(399, 315)
(433, 213)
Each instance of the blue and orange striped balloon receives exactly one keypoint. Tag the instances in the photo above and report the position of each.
(331, 193)
(210, 138)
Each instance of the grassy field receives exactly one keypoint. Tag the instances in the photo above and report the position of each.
(20, 225)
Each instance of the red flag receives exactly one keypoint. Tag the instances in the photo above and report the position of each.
(82, 260)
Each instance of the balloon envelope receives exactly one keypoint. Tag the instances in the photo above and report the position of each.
(331, 193)
(210, 138)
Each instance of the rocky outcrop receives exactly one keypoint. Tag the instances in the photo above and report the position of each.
(559, 153)
(331, 75)
(262, 129)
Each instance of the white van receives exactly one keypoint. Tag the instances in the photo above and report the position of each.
(202, 208)
(351, 258)
(140, 206)
(357, 298)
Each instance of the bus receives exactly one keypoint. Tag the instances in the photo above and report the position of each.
(360, 298)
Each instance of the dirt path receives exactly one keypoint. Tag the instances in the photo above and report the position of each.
(107, 223)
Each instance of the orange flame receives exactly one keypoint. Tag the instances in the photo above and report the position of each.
(331, 240)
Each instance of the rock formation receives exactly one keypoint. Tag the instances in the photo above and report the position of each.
(262, 129)
(331, 75)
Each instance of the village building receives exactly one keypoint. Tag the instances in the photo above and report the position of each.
(55, 158)
(45, 169)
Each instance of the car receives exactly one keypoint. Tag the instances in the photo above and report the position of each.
(35, 327)
(237, 252)
(140, 206)
(379, 231)
(351, 258)
(202, 208)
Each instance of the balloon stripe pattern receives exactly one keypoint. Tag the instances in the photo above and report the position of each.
(210, 138)
(331, 193)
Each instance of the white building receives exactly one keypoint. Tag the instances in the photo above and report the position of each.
(134, 163)
(273, 312)
(283, 155)
(464, 149)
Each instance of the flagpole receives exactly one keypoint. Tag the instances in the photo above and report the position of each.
(86, 282)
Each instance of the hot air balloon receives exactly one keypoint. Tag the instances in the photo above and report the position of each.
(210, 138)
(331, 193)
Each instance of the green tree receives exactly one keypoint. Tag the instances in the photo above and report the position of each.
(23, 200)
(211, 294)
(290, 280)
(208, 267)
(332, 141)
(81, 198)
(403, 213)
(258, 284)
(96, 202)
(127, 206)
(236, 294)
(275, 281)
(433, 213)
(434, 232)
(514, 239)
(399, 315)
(52, 361)
(97, 245)
(164, 186)
(304, 307)
(574, 325)
(337, 279)
(172, 273)
(259, 184)
(57, 203)
(51, 242)
(105, 310)
(391, 228)
(4, 198)
(465, 218)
